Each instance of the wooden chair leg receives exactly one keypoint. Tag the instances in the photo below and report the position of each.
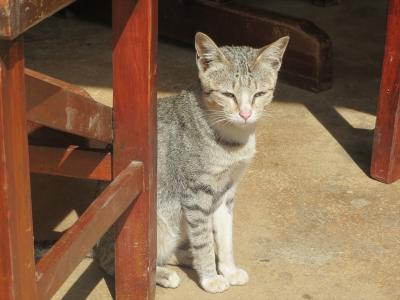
(385, 165)
(17, 265)
(134, 69)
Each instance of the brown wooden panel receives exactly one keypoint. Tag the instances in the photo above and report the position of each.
(70, 162)
(386, 149)
(17, 266)
(134, 78)
(16, 16)
(60, 105)
(65, 255)
(308, 59)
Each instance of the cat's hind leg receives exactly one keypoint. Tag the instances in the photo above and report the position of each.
(167, 278)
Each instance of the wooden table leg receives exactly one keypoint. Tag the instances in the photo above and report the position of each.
(385, 165)
(134, 78)
(17, 265)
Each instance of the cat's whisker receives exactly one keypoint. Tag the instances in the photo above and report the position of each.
(222, 121)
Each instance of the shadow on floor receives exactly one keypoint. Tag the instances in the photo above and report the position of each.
(87, 282)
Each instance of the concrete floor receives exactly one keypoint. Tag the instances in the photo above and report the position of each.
(309, 222)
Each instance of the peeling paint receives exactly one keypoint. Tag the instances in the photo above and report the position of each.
(71, 114)
(93, 120)
(5, 18)
(38, 275)
(5, 11)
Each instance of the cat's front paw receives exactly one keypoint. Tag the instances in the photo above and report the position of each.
(216, 284)
(167, 278)
(236, 276)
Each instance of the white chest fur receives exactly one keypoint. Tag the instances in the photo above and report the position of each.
(232, 161)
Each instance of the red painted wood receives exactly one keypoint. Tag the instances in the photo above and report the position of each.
(385, 165)
(134, 76)
(17, 264)
(54, 268)
(70, 162)
(16, 16)
(66, 107)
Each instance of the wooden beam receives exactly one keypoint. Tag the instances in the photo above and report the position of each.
(385, 165)
(134, 83)
(70, 162)
(16, 16)
(17, 266)
(60, 105)
(308, 58)
(32, 127)
(65, 255)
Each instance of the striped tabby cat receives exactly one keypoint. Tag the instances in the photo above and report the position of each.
(206, 139)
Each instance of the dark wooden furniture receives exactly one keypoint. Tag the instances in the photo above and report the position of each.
(129, 199)
(385, 165)
(308, 59)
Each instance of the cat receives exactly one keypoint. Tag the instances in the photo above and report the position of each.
(206, 140)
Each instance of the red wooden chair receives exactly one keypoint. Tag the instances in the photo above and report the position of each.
(130, 127)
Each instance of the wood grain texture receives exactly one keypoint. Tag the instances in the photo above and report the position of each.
(54, 268)
(70, 162)
(134, 79)
(17, 266)
(16, 16)
(308, 59)
(59, 105)
(385, 165)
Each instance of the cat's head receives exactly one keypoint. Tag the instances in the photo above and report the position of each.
(238, 82)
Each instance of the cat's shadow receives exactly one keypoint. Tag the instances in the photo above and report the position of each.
(191, 274)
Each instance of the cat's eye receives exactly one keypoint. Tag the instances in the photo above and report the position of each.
(259, 94)
(229, 95)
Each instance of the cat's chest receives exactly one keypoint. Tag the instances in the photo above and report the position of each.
(231, 162)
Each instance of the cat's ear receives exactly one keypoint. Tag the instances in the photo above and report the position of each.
(272, 54)
(207, 52)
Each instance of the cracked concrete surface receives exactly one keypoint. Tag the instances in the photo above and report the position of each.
(309, 222)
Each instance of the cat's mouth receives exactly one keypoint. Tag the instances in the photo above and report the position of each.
(233, 120)
(241, 122)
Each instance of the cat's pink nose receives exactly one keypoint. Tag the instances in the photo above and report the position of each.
(245, 114)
